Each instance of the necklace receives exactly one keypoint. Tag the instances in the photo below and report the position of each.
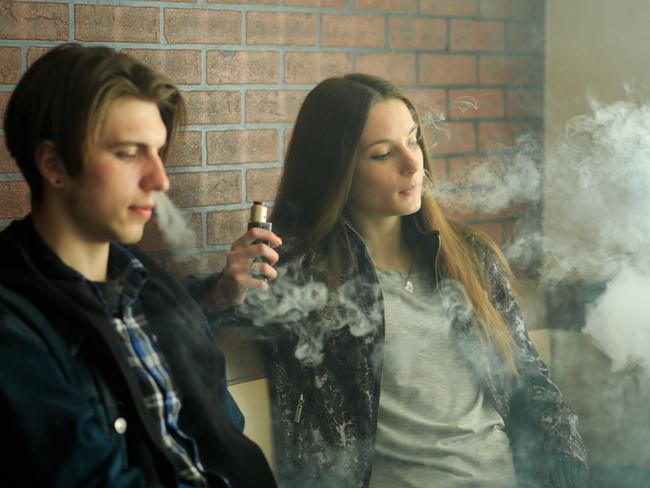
(408, 284)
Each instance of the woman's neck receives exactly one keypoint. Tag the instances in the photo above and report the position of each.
(388, 246)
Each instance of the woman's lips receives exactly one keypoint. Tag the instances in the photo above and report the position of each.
(410, 190)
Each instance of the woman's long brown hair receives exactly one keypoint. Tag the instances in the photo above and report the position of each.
(315, 185)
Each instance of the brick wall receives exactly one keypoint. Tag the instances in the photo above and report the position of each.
(246, 66)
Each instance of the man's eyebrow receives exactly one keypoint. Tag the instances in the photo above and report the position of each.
(139, 145)
(124, 143)
(414, 128)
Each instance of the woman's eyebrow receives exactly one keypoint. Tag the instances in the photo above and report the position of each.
(382, 141)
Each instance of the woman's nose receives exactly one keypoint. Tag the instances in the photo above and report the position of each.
(411, 162)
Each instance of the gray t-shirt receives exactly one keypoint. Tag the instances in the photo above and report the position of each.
(436, 427)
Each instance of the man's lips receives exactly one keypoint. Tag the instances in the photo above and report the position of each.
(143, 211)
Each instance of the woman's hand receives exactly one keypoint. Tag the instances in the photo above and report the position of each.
(244, 270)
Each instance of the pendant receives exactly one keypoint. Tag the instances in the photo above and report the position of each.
(408, 286)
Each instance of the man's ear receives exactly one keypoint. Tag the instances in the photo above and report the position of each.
(50, 165)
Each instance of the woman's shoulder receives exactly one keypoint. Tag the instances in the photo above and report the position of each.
(481, 246)
(489, 257)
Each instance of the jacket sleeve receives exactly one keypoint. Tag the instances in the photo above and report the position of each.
(543, 429)
(51, 435)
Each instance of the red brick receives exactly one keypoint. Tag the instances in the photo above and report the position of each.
(512, 8)
(462, 170)
(316, 3)
(243, 146)
(286, 29)
(207, 188)
(243, 67)
(451, 137)
(510, 212)
(10, 64)
(417, 33)
(352, 31)
(226, 227)
(457, 204)
(182, 66)
(472, 35)
(476, 103)
(29, 20)
(4, 100)
(396, 67)
(273, 105)
(447, 69)
(494, 230)
(450, 8)
(153, 239)
(499, 135)
(430, 103)
(262, 184)
(525, 103)
(185, 150)
(119, 24)
(310, 67)
(439, 171)
(392, 6)
(525, 36)
(287, 138)
(246, 2)
(213, 107)
(195, 263)
(7, 163)
(190, 26)
(14, 199)
(33, 53)
(511, 70)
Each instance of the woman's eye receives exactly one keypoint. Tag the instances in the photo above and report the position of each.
(380, 157)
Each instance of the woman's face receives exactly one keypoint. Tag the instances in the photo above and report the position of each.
(388, 177)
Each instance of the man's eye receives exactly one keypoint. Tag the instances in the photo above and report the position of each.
(126, 155)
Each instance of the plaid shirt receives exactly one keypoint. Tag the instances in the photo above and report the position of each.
(120, 297)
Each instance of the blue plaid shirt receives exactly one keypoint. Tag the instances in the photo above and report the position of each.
(120, 297)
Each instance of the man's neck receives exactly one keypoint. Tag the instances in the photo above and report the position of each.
(88, 258)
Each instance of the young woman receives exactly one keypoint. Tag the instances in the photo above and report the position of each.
(421, 398)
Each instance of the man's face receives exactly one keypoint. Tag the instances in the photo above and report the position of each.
(114, 197)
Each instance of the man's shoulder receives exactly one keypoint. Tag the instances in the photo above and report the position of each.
(10, 300)
(20, 316)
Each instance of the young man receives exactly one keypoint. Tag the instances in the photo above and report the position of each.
(109, 375)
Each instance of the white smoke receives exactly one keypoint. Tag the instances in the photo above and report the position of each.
(598, 194)
(597, 210)
(619, 321)
(498, 183)
(308, 311)
(172, 224)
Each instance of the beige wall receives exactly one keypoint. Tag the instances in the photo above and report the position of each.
(599, 46)
(596, 44)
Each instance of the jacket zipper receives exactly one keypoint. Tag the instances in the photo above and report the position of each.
(298, 414)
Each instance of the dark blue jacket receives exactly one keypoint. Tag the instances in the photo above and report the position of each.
(67, 391)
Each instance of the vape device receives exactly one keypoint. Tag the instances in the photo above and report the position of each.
(259, 218)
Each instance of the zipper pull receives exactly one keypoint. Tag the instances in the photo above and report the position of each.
(298, 414)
